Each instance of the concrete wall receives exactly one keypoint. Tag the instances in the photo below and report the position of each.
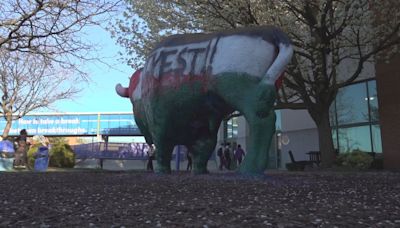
(300, 142)
(294, 120)
(299, 134)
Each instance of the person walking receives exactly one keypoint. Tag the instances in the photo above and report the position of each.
(220, 154)
(227, 157)
(150, 158)
(239, 154)
(189, 161)
(21, 157)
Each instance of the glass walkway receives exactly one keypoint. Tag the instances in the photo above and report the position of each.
(75, 124)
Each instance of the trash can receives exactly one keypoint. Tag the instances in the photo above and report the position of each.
(6, 155)
(41, 159)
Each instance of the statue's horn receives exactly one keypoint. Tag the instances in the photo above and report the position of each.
(122, 91)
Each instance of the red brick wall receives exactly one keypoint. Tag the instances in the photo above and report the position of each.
(388, 85)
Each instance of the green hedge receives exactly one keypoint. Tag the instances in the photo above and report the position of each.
(31, 153)
(356, 159)
(61, 155)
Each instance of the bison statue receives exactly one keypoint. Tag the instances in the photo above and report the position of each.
(191, 82)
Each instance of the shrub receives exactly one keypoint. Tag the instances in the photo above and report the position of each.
(32, 150)
(62, 156)
(356, 159)
(378, 162)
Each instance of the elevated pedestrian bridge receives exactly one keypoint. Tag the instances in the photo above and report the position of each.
(76, 124)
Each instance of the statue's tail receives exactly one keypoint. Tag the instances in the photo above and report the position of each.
(285, 52)
(122, 91)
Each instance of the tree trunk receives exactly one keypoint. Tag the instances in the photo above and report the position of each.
(326, 147)
(7, 127)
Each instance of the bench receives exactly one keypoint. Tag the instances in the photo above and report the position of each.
(315, 157)
(297, 165)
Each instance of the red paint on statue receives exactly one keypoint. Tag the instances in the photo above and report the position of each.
(279, 81)
(172, 80)
(134, 81)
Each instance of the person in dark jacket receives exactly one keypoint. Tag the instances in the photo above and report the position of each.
(220, 154)
(239, 154)
(189, 161)
(150, 157)
(21, 157)
(227, 157)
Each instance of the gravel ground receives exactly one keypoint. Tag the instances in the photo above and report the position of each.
(140, 199)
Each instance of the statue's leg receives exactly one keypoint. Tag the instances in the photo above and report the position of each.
(256, 104)
(261, 132)
(163, 152)
(202, 150)
(255, 101)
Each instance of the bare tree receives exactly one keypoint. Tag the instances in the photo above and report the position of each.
(29, 83)
(328, 36)
(41, 49)
(51, 28)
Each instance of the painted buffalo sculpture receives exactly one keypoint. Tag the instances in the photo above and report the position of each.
(191, 82)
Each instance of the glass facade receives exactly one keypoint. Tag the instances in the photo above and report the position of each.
(355, 118)
(232, 128)
(75, 124)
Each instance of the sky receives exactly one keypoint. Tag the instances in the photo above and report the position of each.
(99, 94)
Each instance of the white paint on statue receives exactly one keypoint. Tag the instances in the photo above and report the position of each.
(230, 54)
(243, 54)
(279, 64)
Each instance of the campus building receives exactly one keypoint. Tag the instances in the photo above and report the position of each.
(364, 116)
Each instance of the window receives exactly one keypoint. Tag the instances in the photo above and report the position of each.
(335, 139)
(352, 104)
(373, 101)
(376, 139)
(232, 128)
(354, 118)
(92, 123)
(354, 138)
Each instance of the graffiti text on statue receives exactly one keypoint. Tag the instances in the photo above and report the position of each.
(191, 59)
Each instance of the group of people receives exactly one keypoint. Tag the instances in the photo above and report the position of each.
(20, 146)
(225, 157)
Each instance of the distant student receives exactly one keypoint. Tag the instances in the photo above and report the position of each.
(189, 160)
(220, 154)
(150, 157)
(227, 157)
(21, 158)
(239, 154)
